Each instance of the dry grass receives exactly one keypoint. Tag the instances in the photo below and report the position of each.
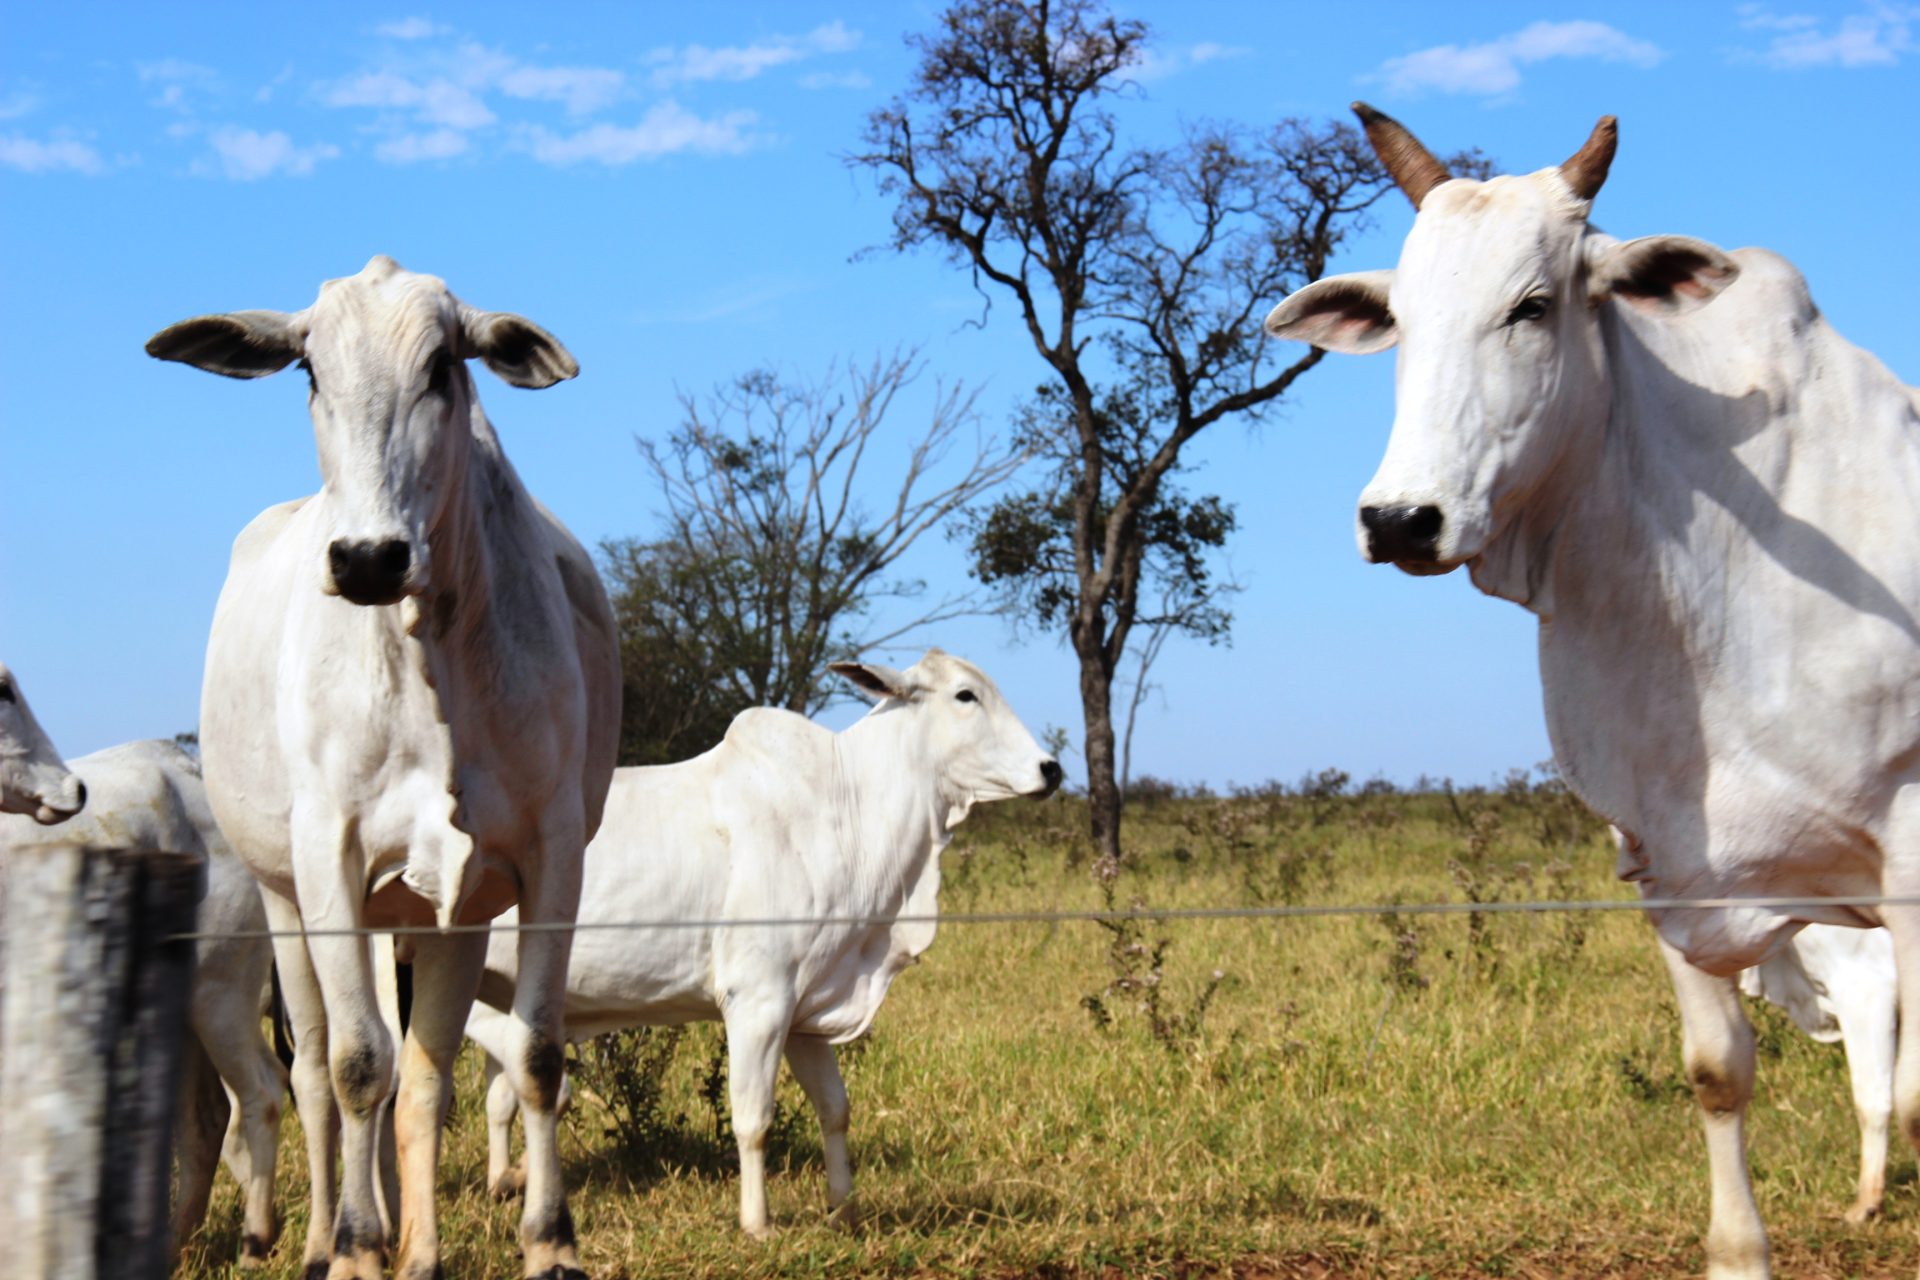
(1420, 1098)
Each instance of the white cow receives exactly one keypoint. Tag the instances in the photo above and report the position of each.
(149, 795)
(783, 819)
(409, 718)
(1707, 496)
(32, 779)
(1839, 984)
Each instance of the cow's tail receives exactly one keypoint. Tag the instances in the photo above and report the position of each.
(282, 1029)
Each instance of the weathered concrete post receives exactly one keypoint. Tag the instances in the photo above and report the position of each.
(91, 1030)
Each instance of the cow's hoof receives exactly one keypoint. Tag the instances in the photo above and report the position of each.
(760, 1233)
(508, 1185)
(845, 1218)
(1861, 1214)
(253, 1252)
(316, 1270)
(421, 1271)
(558, 1271)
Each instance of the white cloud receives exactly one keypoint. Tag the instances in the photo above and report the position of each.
(411, 148)
(1493, 67)
(1158, 64)
(18, 103)
(177, 81)
(836, 80)
(246, 155)
(410, 29)
(438, 101)
(54, 155)
(665, 129)
(584, 90)
(1877, 37)
(697, 62)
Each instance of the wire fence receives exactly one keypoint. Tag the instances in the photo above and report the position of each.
(1096, 916)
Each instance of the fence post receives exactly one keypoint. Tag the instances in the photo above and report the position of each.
(91, 1033)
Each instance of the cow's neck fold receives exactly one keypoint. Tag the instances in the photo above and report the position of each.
(462, 573)
(892, 822)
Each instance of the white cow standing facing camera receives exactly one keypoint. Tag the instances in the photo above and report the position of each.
(782, 820)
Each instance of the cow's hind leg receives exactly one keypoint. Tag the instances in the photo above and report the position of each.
(1868, 1016)
(533, 1051)
(1719, 1049)
(812, 1060)
(310, 1077)
(446, 973)
(1903, 923)
(486, 1027)
(196, 1144)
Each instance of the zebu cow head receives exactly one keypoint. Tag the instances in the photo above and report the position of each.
(967, 732)
(1495, 308)
(385, 354)
(33, 780)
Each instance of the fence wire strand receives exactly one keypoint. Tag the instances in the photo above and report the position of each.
(1090, 916)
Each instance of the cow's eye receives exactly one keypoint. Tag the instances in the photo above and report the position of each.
(1531, 308)
(440, 374)
(965, 695)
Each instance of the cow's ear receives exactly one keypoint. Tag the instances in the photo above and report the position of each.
(1341, 313)
(516, 348)
(875, 680)
(239, 344)
(1671, 275)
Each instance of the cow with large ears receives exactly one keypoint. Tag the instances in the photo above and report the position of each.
(1706, 495)
(409, 718)
(33, 781)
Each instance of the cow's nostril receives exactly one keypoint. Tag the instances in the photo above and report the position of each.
(395, 557)
(80, 793)
(1424, 524)
(339, 557)
(1051, 772)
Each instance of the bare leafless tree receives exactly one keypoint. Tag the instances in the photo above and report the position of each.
(780, 537)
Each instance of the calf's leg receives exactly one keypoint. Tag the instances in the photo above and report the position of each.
(1719, 1051)
(814, 1066)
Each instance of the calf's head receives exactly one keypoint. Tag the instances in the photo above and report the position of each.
(1496, 311)
(384, 352)
(961, 727)
(33, 781)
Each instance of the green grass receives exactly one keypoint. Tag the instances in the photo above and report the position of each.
(1420, 1098)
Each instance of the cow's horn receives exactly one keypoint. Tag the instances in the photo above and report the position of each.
(1412, 165)
(1587, 168)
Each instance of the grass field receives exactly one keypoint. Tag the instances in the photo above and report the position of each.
(1361, 1096)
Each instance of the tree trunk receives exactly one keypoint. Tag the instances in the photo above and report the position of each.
(1096, 701)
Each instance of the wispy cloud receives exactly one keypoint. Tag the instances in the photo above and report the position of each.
(410, 29)
(1158, 64)
(437, 101)
(18, 103)
(754, 299)
(50, 155)
(1493, 67)
(412, 148)
(177, 80)
(665, 129)
(1879, 36)
(246, 155)
(697, 62)
(583, 90)
(836, 80)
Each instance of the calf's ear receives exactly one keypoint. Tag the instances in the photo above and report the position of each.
(875, 680)
(1341, 313)
(239, 344)
(1671, 275)
(520, 351)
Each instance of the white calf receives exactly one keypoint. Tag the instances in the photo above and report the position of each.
(782, 820)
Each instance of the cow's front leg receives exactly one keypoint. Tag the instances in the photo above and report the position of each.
(1903, 923)
(446, 973)
(812, 1060)
(756, 1029)
(310, 1078)
(1719, 1058)
(359, 1051)
(533, 1051)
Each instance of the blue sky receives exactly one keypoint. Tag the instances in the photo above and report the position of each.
(662, 187)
